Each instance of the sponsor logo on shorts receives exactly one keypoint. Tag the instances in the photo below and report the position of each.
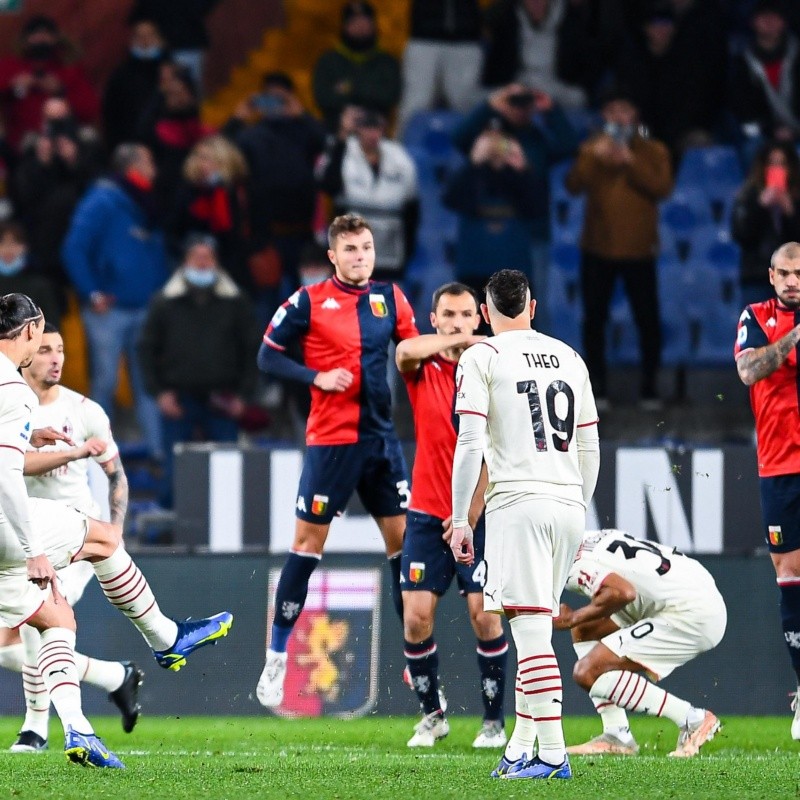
(416, 571)
(319, 504)
(775, 535)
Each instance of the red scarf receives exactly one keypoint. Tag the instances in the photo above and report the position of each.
(214, 208)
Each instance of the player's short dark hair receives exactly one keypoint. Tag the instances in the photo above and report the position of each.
(509, 290)
(16, 310)
(49, 327)
(346, 223)
(454, 288)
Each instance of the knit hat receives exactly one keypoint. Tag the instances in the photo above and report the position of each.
(357, 8)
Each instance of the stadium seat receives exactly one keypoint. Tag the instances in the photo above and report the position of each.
(566, 258)
(702, 166)
(564, 305)
(672, 292)
(431, 131)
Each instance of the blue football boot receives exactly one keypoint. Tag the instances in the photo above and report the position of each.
(505, 766)
(193, 634)
(87, 749)
(536, 768)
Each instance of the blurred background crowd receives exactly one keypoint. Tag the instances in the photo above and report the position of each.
(637, 158)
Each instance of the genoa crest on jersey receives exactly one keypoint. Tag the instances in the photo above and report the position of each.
(332, 668)
(377, 302)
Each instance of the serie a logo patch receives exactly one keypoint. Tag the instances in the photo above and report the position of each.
(377, 302)
(775, 535)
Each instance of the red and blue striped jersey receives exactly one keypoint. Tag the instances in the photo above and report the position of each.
(775, 399)
(350, 327)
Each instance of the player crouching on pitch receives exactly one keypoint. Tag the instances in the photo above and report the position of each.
(651, 610)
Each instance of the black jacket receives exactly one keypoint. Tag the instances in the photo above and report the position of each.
(199, 341)
(446, 20)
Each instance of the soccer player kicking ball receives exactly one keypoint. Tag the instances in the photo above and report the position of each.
(61, 472)
(346, 325)
(526, 398)
(38, 537)
(428, 364)
(652, 610)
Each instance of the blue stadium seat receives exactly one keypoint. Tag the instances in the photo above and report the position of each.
(432, 131)
(672, 293)
(566, 258)
(701, 166)
(564, 305)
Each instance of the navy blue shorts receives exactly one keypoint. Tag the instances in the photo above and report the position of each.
(375, 468)
(780, 508)
(427, 563)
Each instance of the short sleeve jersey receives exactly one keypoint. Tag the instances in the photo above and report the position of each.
(665, 581)
(350, 327)
(431, 389)
(535, 392)
(775, 400)
(79, 418)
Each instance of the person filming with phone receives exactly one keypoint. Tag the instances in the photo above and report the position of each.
(766, 213)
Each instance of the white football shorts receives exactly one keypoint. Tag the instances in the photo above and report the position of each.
(530, 547)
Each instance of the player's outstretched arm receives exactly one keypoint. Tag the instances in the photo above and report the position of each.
(37, 463)
(412, 352)
(614, 593)
(760, 362)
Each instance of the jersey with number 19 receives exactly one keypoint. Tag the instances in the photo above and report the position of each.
(534, 391)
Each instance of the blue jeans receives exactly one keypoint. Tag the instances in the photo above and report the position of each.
(197, 417)
(110, 336)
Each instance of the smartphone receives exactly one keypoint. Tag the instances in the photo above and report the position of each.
(777, 177)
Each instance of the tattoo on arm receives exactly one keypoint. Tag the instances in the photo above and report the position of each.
(117, 490)
(755, 365)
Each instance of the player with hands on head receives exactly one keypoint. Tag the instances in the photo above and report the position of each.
(525, 402)
(651, 610)
(428, 364)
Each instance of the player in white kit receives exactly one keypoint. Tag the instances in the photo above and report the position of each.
(39, 536)
(652, 609)
(61, 472)
(525, 403)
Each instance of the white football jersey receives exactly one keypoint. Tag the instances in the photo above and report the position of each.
(534, 392)
(79, 418)
(666, 581)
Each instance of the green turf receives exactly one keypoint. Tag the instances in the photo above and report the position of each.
(257, 757)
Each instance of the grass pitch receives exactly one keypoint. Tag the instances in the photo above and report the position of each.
(225, 758)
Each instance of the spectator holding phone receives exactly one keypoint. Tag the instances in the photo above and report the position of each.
(540, 126)
(766, 214)
(624, 174)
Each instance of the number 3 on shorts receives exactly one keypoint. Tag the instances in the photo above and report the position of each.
(404, 493)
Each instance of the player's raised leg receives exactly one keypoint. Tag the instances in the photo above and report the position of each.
(127, 589)
(290, 597)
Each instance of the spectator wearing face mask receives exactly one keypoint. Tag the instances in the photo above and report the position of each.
(356, 71)
(198, 351)
(55, 169)
(16, 274)
(132, 85)
(43, 68)
(624, 174)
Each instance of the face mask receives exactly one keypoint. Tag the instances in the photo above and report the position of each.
(200, 278)
(146, 53)
(12, 267)
(214, 179)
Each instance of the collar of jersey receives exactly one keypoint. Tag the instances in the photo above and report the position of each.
(782, 307)
(350, 289)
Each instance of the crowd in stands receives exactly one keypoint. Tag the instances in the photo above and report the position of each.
(124, 198)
